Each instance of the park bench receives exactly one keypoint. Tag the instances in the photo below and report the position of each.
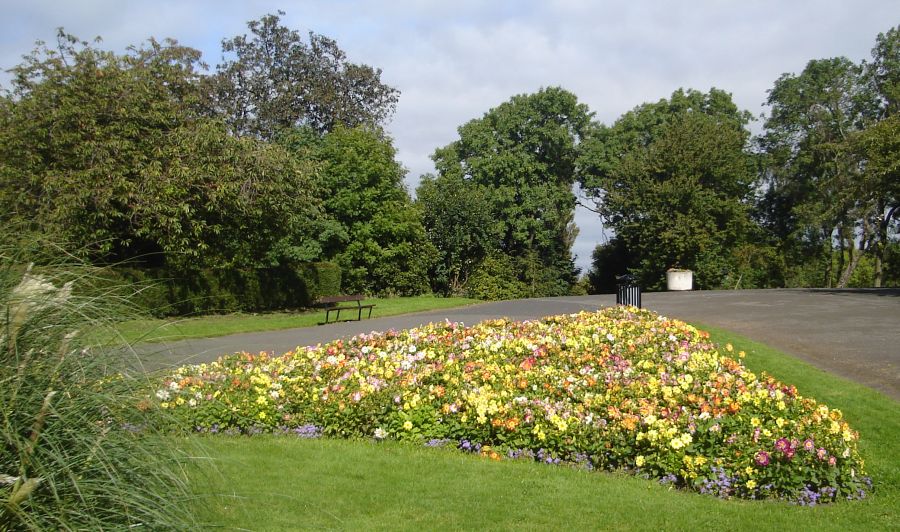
(334, 304)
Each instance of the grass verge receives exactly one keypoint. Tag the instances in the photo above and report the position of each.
(280, 483)
(158, 330)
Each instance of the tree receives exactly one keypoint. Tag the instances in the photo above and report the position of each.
(78, 136)
(879, 145)
(673, 180)
(831, 140)
(458, 221)
(385, 249)
(273, 80)
(111, 154)
(522, 155)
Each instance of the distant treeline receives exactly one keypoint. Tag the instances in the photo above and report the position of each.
(274, 171)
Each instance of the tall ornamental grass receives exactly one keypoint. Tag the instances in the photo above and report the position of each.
(75, 453)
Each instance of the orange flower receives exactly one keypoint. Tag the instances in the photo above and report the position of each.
(630, 422)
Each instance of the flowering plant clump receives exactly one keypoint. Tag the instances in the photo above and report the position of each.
(621, 388)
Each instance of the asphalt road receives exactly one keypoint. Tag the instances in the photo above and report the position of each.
(852, 333)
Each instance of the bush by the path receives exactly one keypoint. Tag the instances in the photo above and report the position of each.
(617, 389)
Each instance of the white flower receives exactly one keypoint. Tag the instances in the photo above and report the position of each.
(380, 433)
(162, 395)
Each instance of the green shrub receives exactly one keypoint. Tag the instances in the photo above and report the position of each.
(75, 454)
(163, 292)
(322, 278)
(496, 278)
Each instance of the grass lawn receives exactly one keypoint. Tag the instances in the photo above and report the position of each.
(282, 483)
(156, 330)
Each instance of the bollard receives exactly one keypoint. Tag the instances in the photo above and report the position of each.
(628, 293)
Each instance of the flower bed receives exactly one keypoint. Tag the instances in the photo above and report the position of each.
(617, 389)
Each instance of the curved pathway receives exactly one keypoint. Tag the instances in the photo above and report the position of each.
(853, 333)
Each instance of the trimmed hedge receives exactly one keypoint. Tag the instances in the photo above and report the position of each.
(163, 292)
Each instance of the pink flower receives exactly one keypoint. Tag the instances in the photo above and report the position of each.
(832, 461)
(809, 445)
(782, 445)
(762, 458)
(821, 453)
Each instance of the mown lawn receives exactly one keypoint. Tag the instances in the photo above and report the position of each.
(282, 483)
(157, 330)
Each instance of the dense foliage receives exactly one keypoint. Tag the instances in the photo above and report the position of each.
(620, 389)
(673, 180)
(274, 81)
(126, 159)
(521, 155)
(279, 160)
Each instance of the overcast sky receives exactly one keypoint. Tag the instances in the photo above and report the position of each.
(454, 60)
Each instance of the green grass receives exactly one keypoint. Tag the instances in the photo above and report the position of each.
(157, 330)
(281, 483)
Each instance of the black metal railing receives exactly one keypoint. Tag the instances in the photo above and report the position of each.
(627, 291)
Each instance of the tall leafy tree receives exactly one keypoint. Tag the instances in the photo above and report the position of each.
(830, 137)
(879, 145)
(111, 154)
(384, 247)
(673, 180)
(273, 80)
(522, 154)
(458, 220)
(79, 132)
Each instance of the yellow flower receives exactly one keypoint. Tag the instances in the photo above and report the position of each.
(751, 484)
(754, 421)
(639, 461)
(407, 425)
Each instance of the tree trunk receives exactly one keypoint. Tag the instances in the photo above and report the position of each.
(851, 267)
(829, 259)
(842, 250)
(881, 244)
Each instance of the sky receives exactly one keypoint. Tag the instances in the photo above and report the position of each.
(454, 60)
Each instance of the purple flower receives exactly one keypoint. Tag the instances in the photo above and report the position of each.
(307, 431)
(762, 458)
(809, 445)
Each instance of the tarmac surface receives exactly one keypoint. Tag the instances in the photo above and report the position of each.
(854, 333)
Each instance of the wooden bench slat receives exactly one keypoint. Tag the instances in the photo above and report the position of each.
(331, 305)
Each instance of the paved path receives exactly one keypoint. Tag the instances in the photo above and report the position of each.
(853, 333)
